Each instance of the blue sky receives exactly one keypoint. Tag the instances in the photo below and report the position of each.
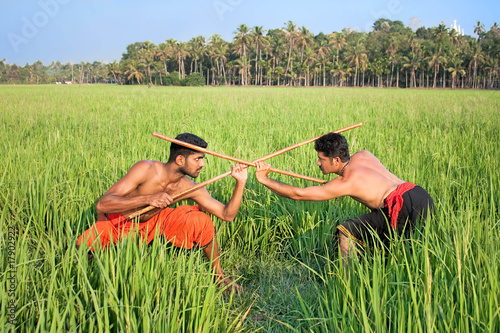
(100, 30)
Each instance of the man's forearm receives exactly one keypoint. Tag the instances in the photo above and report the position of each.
(116, 204)
(284, 190)
(234, 203)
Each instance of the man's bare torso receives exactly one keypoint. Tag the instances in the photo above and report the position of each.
(369, 182)
(158, 180)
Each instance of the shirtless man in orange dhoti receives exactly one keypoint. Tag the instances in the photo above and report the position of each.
(153, 183)
(395, 204)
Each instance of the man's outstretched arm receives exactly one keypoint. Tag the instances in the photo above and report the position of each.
(224, 212)
(328, 191)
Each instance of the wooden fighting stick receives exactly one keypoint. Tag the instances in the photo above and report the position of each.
(234, 159)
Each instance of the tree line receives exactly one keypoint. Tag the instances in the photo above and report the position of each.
(391, 55)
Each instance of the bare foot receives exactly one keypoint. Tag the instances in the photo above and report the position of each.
(231, 286)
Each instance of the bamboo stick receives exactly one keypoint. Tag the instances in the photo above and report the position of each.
(234, 159)
(205, 183)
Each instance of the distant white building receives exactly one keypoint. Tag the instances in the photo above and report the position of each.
(457, 28)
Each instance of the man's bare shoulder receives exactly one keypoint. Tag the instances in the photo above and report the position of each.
(363, 155)
(143, 170)
(362, 164)
(145, 166)
(185, 184)
(365, 164)
(186, 181)
(364, 158)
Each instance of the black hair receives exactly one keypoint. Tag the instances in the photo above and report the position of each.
(176, 150)
(333, 145)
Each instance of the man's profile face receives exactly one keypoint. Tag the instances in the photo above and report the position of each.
(193, 164)
(325, 164)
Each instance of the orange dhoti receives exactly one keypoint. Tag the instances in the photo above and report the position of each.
(184, 226)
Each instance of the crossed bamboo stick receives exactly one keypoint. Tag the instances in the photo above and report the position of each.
(237, 160)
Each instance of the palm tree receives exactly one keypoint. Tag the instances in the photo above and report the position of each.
(262, 66)
(444, 60)
(197, 50)
(147, 56)
(365, 63)
(322, 54)
(212, 46)
(242, 64)
(181, 52)
(277, 49)
(434, 60)
(241, 42)
(338, 40)
(492, 65)
(133, 71)
(413, 63)
(260, 42)
(357, 56)
(114, 69)
(305, 39)
(232, 66)
(441, 38)
(341, 71)
(377, 68)
(165, 52)
(291, 36)
(392, 50)
(242, 39)
(193, 54)
(455, 37)
(217, 49)
(479, 30)
(279, 71)
(477, 56)
(457, 68)
(269, 74)
(158, 68)
(309, 59)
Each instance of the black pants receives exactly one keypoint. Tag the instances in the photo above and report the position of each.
(417, 205)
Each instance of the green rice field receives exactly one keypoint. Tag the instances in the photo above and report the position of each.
(62, 147)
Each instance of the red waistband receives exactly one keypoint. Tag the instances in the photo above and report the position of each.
(394, 201)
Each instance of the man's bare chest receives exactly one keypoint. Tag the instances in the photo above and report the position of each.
(157, 186)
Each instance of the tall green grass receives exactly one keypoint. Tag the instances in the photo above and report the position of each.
(63, 146)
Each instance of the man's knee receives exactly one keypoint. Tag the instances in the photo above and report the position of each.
(345, 241)
(204, 230)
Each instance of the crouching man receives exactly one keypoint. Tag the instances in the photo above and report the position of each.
(396, 205)
(154, 183)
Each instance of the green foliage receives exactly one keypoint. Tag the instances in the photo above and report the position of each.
(172, 79)
(64, 146)
(193, 79)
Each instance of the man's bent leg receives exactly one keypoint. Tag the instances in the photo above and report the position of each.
(357, 231)
(188, 226)
(212, 253)
(347, 248)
